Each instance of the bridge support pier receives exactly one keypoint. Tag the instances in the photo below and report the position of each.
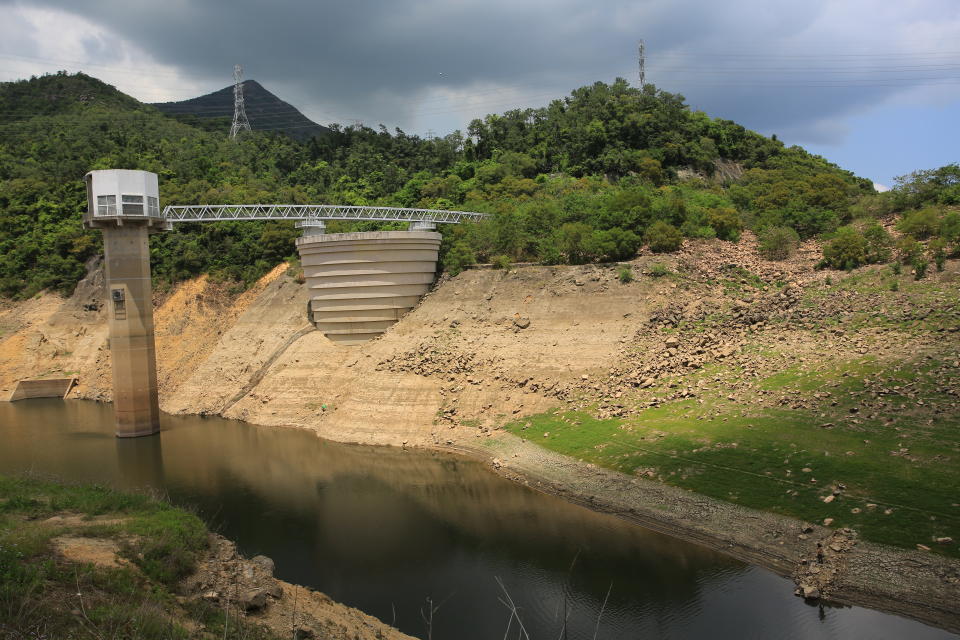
(360, 284)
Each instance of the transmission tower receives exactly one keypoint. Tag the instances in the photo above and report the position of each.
(240, 121)
(643, 64)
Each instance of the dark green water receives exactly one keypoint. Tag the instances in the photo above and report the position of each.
(383, 529)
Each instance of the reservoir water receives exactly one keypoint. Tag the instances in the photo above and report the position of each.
(383, 530)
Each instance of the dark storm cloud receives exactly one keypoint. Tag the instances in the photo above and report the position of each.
(371, 59)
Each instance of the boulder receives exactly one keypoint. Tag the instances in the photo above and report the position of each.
(253, 600)
(810, 592)
(521, 323)
(263, 563)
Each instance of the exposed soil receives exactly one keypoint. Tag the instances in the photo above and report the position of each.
(491, 346)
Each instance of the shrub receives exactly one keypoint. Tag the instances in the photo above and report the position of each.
(878, 243)
(576, 242)
(691, 229)
(873, 206)
(458, 258)
(896, 268)
(625, 275)
(501, 262)
(658, 270)
(919, 267)
(616, 244)
(950, 226)
(846, 250)
(920, 224)
(548, 249)
(909, 249)
(726, 222)
(778, 243)
(895, 285)
(662, 237)
(937, 249)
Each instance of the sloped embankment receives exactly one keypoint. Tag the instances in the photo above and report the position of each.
(703, 362)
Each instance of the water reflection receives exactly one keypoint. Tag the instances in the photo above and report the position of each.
(382, 529)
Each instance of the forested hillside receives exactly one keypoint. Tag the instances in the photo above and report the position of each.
(591, 177)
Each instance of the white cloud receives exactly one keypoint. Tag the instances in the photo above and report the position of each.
(34, 41)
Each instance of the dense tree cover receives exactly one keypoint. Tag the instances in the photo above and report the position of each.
(928, 186)
(590, 177)
(930, 226)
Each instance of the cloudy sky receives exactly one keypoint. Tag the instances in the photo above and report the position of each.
(871, 84)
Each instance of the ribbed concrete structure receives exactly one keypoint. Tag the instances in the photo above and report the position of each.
(360, 284)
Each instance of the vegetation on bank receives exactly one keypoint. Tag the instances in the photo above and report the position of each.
(863, 438)
(590, 177)
(45, 595)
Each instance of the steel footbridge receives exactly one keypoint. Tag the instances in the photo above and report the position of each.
(313, 216)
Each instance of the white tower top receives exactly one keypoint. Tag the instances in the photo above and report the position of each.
(118, 195)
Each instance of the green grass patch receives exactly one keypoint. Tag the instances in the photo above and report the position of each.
(900, 466)
(43, 595)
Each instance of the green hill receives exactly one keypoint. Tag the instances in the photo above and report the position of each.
(591, 177)
(59, 94)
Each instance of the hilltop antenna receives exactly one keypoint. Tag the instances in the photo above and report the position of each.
(643, 63)
(240, 121)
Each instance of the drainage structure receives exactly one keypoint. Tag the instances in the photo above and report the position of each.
(124, 205)
(359, 284)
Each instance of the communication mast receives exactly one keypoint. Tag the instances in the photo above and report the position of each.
(240, 121)
(643, 63)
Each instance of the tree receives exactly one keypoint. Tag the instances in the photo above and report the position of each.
(662, 237)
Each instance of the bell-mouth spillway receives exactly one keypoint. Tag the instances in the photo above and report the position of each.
(359, 284)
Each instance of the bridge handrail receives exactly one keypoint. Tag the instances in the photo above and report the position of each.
(206, 213)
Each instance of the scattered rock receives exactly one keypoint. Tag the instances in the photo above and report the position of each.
(810, 592)
(521, 323)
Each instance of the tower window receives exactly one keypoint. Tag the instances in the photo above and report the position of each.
(132, 205)
(106, 205)
(153, 207)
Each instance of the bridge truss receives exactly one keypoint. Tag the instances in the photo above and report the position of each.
(314, 212)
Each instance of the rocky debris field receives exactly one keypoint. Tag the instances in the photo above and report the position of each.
(247, 588)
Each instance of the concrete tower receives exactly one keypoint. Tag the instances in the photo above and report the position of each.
(125, 206)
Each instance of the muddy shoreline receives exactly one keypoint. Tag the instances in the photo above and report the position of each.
(913, 584)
